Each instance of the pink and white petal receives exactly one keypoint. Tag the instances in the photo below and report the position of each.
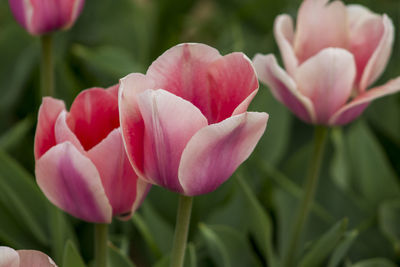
(8, 257)
(284, 35)
(320, 25)
(170, 122)
(72, 183)
(118, 178)
(214, 153)
(131, 121)
(48, 114)
(142, 189)
(182, 70)
(232, 79)
(63, 133)
(34, 258)
(245, 104)
(327, 79)
(380, 57)
(283, 87)
(93, 115)
(73, 15)
(354, 109)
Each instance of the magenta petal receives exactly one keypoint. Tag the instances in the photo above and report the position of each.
(283, 87)
(354, 109)
(284, 35)
(116, 173)
(132, 126)
(232, 79)
(214, 152)
(327, 79)
(33, 258)
(48, 114)
(72, 183)
(8, 257)
(170, 122)
(320, 25)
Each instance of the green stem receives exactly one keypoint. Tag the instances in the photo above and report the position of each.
(181, 230)
(47, 69)
(100, 244)
(309, 192)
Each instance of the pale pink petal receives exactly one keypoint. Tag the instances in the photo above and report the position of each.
(242, 107)
(232, 79)
(182, 70)
(320, 25)
(170, 122)
(142, 189)
(284, 35)
(63, 133)
(116, 173)
(34, 258)
(327, 79)
(48, 114)
(93, 115)
(214, 152)
(8, 257)
(354, 109)
(283, 87)
(72, 183)
(132, 126)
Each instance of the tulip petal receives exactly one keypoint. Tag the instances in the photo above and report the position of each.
(132, 125)
(283, 87)
(48, 114)
(19, 11)
(182, 70)
(116, 173)
(320, 25)
(8, 257)
(284, 35)
(142, 190)
(354, 109)
(327, 79)
(232, 79)
(214, 152)
(93, 115)
(72, 183)
(63, 133)
(170, 122)
(33, 258)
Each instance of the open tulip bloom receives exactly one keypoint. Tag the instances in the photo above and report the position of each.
(81, 164)
(185, 124)
(24, 258)
(331, 59)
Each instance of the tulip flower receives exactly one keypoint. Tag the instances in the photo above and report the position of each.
(185, 124)
(333, 56)
(23, 258)
(40, 17)
(81, 164)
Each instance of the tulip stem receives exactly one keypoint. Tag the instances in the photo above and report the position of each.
(181, 230)
(100, 244)
(47, 69)
(310, 185)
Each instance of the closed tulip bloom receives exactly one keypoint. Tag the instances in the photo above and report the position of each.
(333, 56)
(81, 164)
(23, 258)
(44, 16)
(185, 124)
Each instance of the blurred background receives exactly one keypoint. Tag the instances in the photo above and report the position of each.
(246, 221)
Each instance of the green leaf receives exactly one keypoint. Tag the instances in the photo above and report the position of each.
(144, 230)
(227, 246)
(71, 256)
(339, 168)
(117, 259)
(343, 247)
(14, 135)
(321, 249)
(378, 262)
(389, 222)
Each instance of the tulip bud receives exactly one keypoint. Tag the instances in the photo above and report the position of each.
(39, 17)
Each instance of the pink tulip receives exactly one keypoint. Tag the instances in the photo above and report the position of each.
(44, 16)
(185, 124)
(331, 59)
(24, 258)
(81, 164)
